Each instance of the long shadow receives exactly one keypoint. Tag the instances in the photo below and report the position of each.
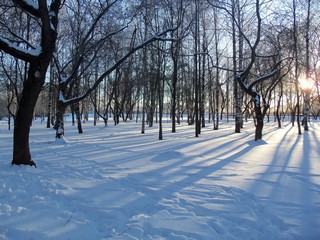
(278, 167)
(286, 183)
(143, 187)
(315, 137)
(174, 181)
(309, 191)
(171, 158)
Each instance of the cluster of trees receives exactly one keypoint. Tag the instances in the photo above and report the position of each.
(194, 58)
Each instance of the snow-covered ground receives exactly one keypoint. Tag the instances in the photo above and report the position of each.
(115, 183)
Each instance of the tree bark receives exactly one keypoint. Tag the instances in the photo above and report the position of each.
(174, 92)
(236, 89)
(259, 117)
(59, 124)
(78, 116)
(24, 116)
(296, 65)
(307, 91)
(38, 65)
(50, 95)
(278, 105)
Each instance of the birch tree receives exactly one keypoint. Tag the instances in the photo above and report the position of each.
(307, 88)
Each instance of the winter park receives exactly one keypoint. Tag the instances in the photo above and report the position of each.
(115, 183)
(149, 120)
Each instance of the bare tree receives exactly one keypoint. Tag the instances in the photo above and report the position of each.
(89, 48)
(308, 69)
(246, 77)
(37, 53)
(296, 65)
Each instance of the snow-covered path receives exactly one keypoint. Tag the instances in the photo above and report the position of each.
(114, 183)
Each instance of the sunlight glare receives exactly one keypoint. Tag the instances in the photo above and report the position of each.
(305, 84)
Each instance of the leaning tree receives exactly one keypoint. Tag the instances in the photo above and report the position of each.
(247, 78)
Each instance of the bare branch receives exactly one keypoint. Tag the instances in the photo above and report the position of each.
(156, 37)
(28, 6)
(27, 55)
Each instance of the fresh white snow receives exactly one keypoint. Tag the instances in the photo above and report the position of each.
(115, 183)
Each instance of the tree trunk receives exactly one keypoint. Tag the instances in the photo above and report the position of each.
(278, 105)
(78, 116)
(160, 97)
(59, 124)
(50, 95)
(307, 91)
(23, 120)
(217, 84)
(72, 116)
(237, 107)
(295, 30)
(143, 124)
(259, 117)
(174, 93)
(196, 74)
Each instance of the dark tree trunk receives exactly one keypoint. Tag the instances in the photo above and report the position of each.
(259, 118)
(23, 120)
(278, 114)
(160, 97)
(174, 93)
(72, 116)
(78, 116)
(278, 105)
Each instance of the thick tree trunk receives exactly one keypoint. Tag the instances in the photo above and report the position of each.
(21, 150)
(23, 120)
(259, 128)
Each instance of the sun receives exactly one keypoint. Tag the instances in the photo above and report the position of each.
(305, 84)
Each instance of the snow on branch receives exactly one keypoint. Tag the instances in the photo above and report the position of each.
(165, 39)
(156, 37)
(262, 78)
(19, 52)
(29, 6)
(71, 100)
(31, 3)
(161, 36)
(268, 75)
